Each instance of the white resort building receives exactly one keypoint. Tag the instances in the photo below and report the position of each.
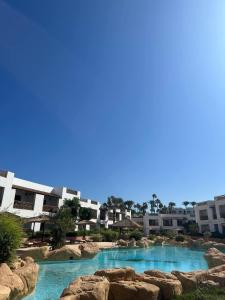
(174, 221)
(28, 199)
(210, 215)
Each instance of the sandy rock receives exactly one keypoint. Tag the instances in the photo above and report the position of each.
(190, 280)
(122, 243)
(11, 280)
(4, 292)
(131, 243)
(88, 250)
(168, 287)
(127, 290)
(159, 274)
(214, 257)
(65, 253)
(143, 243)
(117, 274)
(29, 275)
(37, 253)
(159, 240)
(87, 288)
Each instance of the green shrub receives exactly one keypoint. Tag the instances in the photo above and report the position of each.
(179, 238)
(135, 234)
(110, 235)
(96, 237)
(151, 237)
(11, 235)
(171, 234)
(203, 294)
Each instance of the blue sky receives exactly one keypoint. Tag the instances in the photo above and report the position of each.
(120, 97)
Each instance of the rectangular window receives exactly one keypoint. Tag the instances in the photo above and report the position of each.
(216, 227)
(168, 222)
(203, 214)
(214, 212)
(153, 223)
(1, 194)
(222, 211)
(179, 222)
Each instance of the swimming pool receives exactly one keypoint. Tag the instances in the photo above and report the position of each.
(55, 276)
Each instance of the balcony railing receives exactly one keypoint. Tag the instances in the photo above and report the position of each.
(23, 205)
(203, 218)
(50, 208)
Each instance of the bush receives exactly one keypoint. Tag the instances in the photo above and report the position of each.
(180, 238)
(96, 237)
(151, 237)
(136, 234)
(11, 235)
(203, 294)
(110, 235)
(207, 234)
(171, 234)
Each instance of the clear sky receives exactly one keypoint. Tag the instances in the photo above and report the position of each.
(121, 97)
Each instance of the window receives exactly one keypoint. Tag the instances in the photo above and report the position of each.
(216, 227)
(179, 222)
(222, 211)
(168, 222)
(18, 197)
(1, 194)
(153, 223)
(205, 228)
(214, 212)
(203, 214)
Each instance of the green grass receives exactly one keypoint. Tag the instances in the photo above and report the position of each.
(204, 294)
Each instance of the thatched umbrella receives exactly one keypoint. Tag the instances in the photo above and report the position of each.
(84, 223)
(38, 219)
(126, 224)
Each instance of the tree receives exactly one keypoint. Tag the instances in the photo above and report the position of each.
(114, 203)
(193, 203)
(157, 203)
(153, 203)
(129, 204)
(11, 235)
(186, 203)
(144, 208)
(63, 222)
(138, 208)
(170, 206)
(73, 205)
(86, 213)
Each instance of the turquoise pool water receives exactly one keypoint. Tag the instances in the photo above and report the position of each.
(54, 277)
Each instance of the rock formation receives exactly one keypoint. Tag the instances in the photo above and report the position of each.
(18, 281)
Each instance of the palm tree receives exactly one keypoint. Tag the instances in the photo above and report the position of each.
(193, 203)
(144, 208)
(152, 206)
(170, 206)
(114, 203)
(157, 203)
(186, 203)
(129, 204)
(138, 208)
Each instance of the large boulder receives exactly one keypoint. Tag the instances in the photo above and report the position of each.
(4, 292)
(87, 288)
(122, 243)
(88, 250)
(37, 253)
(127, 290)
(18, 282)
(143, 243)
(28, 274)
(117, 274)
(65, 253)
(214, 257)
(159, 274)
(169, 287)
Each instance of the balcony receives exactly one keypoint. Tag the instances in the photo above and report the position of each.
(50, 208)
(23, 205)
(204, 218)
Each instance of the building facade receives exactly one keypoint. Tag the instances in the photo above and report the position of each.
(210, 215)
(28, 199)
(174, 221)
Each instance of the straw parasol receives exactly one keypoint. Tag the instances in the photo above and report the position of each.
(84, 223)
(126, 224)
(38, 219)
